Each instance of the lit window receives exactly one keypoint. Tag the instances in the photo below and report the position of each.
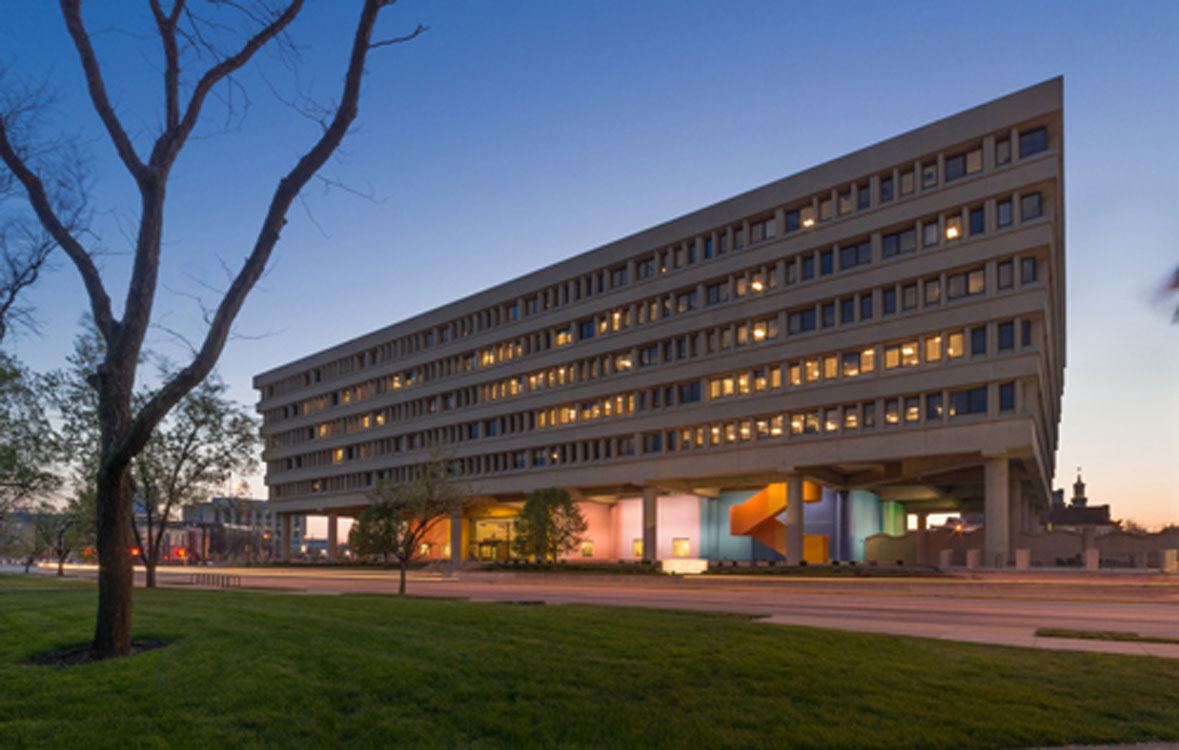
(913, 409)
(807, 214)
(851, 417)
(892, 412)
(851, 364)
(797, 424)
(831, 420)
(972, 401)
(953, 227)
(868, 360)
(759, 379)
(892, 356)
(825, 209)
(636, 547)
(933, 407)
(933, 348)
(830, 367)
(812, 370)
(681, 547)
(907, 182)
(956, 346)
(587, 548)
(795, 374)
(424, 549)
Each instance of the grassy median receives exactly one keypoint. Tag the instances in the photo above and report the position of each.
(253, 670)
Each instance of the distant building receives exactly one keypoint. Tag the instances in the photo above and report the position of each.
(1078, 514)
(230, 526)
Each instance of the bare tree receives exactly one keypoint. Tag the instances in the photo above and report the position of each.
(187, 40)
(60, 532)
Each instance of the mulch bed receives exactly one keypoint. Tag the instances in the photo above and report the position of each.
(72, 657)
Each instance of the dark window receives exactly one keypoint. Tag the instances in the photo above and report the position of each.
(491, 427)
(708, 248)
(718, 293)
(649, 355)
(933, 407)
(899, 242)
(585, 329)
(1030, 206)
(513, 314)
(890, 301)
(1006, 336)
(978, 223)
(808, 267)
(1003, 151)
(803, 320)
(692, 252)
(1027, 270)
(909, 297)
(646, 269)
(686, 301)
(847, 312)
(955, 167)
(865, 197)
(829, 315)
(855, 255)
(826, 262)
(1003, 209)
(653, 443)
(1006, 274)
(618, 277)
(792, 220)
(933, 291)
(973, 401)
(978, 340)
(1006, 396)
(1033, 141)
(866, 307)
(689, 393)
(1026, 333)
(885, 189)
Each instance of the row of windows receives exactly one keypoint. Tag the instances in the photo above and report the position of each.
(936, 407)
(839, 202)
(924, 349)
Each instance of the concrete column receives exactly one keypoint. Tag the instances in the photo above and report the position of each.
(922, 527)
(285, 542)
(333, 524)
(650, 524)
(996, 511)
(795, 519)
(456, 537)
(1015, 515)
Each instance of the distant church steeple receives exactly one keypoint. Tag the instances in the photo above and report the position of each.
(1079, 498)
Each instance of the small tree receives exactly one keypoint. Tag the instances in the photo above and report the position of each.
(28, 444)
(403, 515)
(549, 525)
(60, 532)
(205, 439)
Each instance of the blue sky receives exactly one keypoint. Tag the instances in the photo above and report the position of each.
(513, 135)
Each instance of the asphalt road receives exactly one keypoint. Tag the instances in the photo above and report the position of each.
(989, 609)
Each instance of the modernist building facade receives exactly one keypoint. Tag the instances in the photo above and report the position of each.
(878, 336)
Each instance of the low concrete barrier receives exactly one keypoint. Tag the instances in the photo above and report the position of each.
(216, 579)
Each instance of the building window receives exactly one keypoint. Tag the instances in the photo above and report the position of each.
(933, 291)
(636, 547)
(1026, 333)
(978, 341)
(826, 262)
(858, 254)
(828, 315)
(865, 197)
(889, 298)
(585, 330)
(1033, 141)
(1002, 151)
(845, 202)
(653, 443)
(1006, 396)
(886, 189)
(869, 410)
(808, 267)
(966, 284)
(689, 393)
(899, 242)
(1027, 270)
(1006, 336)
(929, 230)
(645, 269)
(764, 330)
(972, 401)
(913, 409)
(1003, 211)
(933, 407)
(1030, 206)
(953, 227)
(963, 164)
(826, 209)
(1006, 274)
(866, 306)
(892, 412)
(792, 220)
(851, 417)
(956, 345)
(851, 364)
(847, 311)
(978, 223)
(718, 293)
(830, 367)
(892, 356)
(929, 174)
(686, 302)
(812, 370)
(617, 279)
(801, 321)
(933, 348)
(681, 547)
(909, 297)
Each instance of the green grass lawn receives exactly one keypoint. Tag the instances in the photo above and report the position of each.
(250, 669)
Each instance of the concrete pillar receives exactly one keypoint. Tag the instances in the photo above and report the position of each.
(996, 507)
(285, 542)
(795, 520)
(650, 524)
(1092, 560)
(1015, 515)
(922, 537)
(333, 523)
(456, 537)
(945, 558)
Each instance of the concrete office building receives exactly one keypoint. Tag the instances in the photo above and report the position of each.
(881, 335)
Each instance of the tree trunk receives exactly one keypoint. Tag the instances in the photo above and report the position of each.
(112, 630)
(61, 565)
(150, 567)
(404, 567)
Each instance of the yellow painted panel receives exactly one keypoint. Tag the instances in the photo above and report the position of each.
(814, 549)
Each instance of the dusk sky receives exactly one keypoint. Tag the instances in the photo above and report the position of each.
(513, 135)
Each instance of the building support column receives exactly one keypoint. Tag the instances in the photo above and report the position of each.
(1016, 515)
(456, 538)
(651, 524)
(996, 510)
(922, 538)
(795, 520)
(333, 524)
(285, 542)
